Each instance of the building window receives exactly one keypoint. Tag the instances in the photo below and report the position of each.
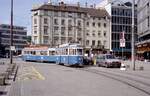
(105, 25)
(87, 23)
(45, 39)
(87, 42)
(35, 39)
(45, 21)
(62, 30)
(87, 34)
(69, 22)
(35, 21)
(56, 21)
(99, 24)
(99, 43)
(93, 42)
(55, 13)
(56, 30)
(45, 12)
(104, 33)
(45, 30)
(93, 24)
(35, 29)
(79, 15)
(93, 33)
(104, 18)
(62, 22)
(69, 14)
(99, 33)
(63, 14)
(69, 28)
(104, 42)
(79, 23)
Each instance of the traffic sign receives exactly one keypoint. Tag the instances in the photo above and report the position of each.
(12, 48)
(122, 43)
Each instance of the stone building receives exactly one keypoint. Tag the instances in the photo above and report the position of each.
(58, 24)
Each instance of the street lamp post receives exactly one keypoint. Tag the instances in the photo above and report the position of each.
(133, 45)
(11, 34)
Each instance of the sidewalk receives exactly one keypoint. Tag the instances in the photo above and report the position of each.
(7, 72)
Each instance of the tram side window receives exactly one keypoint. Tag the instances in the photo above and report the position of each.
(33, 52)
(63, 52)
(28, 52)
(74, 51)
(58, 52)
(43, 53)
(24, 52)
(66, 52)
(52, 53)
(70, 51)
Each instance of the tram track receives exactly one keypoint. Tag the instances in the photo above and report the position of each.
(137, 75)
(134, 83)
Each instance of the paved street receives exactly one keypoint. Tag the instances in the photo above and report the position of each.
(44, 79)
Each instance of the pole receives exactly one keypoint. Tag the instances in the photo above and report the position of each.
(11, 33)
(133, 51)
(122, 53)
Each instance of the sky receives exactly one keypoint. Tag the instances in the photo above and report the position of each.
(22, 13)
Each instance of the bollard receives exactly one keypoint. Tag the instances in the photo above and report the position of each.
(122, 67)
(2, 79)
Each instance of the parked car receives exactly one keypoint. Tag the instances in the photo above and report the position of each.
(107, 60)
(2, 56)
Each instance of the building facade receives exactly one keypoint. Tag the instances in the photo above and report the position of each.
(58, 24)
(19, 37)
(143, 46)
(121, 21)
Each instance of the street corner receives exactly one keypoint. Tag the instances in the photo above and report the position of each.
(29, 73)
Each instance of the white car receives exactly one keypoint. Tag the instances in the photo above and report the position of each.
(107, 60)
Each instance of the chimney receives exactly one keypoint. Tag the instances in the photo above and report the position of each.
(94, 5)
(85, 4)
(91, 6)
(49, 1)
(78, 4)
(61, 3)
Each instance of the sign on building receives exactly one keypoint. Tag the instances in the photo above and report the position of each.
(122, 40)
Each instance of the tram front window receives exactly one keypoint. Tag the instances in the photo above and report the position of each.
(79, 51)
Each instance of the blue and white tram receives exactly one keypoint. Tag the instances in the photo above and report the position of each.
(39, 54)
(70, 55)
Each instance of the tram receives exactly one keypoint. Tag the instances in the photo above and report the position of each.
(39, 54)
(70, 54)
(66, 54)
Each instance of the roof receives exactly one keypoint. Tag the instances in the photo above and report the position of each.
(59, 8)
(66, 8)
(96, 12)
(36, 48)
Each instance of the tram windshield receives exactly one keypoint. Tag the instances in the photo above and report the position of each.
(79, 51)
